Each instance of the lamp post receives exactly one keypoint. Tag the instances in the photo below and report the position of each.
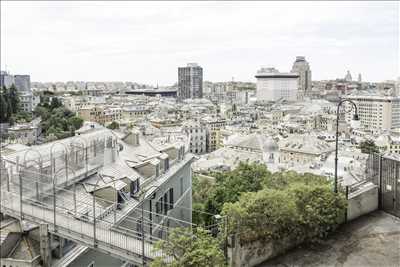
(355, 118)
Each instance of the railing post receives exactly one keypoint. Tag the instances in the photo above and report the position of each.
(347, 198)
(380, 204)
(94, 220)
(142, 226)
(75, 199)
(20, 187)
(8, 179)
(86, 162)
(54, 194)
(66, 168)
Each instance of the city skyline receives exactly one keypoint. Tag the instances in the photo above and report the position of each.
(103, 42)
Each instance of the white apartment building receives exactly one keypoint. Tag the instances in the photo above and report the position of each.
(198, 137)
(273, 85)
(376, 112)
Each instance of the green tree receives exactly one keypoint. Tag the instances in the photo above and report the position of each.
(187, 249)
(368, 147)
(75, 122)
(3, 108)
(113, 125)
(229, 185)
(55, 103)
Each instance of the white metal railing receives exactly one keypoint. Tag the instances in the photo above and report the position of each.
(127, 245)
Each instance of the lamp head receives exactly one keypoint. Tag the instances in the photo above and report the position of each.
(356, 123)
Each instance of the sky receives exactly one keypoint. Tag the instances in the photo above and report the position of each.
(146, 42)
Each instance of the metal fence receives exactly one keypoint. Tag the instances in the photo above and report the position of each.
(385, 173)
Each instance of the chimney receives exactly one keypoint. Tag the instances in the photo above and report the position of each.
(133, 138)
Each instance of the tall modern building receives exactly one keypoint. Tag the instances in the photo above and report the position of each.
(301, 67)
(190, 81)
(23, 82)
(348, 77)
(273, 85)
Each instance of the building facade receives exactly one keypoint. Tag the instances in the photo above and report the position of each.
(213, 127)
(190, 81)
(273, 85)
(301, 67)
(376, 113)
(22, 82)
(198, 137)
(100, 114)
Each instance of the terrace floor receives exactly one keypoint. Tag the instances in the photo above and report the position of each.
(369, 241)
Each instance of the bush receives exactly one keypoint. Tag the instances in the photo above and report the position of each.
(187, 249)
(299, 207)
(113, 125)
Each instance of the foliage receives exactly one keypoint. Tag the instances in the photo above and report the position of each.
(295, 206)
(10, 104)
(113, 125)
(229, 185)
(198, 249)
(368, 147)
(21, 117)
(201, 189)
(57, 121)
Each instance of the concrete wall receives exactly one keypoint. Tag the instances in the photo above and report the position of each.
(362, 202)
(255, 253)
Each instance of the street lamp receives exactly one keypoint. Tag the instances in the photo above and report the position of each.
(355, 118)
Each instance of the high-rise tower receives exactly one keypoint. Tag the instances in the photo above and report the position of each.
(302, 68)
(190, 81)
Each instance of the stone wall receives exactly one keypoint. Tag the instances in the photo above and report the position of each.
(363, 201)
(255, 253)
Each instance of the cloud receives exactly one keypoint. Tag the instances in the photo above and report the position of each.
(147, 41)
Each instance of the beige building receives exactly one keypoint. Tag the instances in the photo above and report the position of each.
(213, 126)
(375, 112)
(100, 114)
(133, 113)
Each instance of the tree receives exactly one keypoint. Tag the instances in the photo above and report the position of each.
(3, 109)
(229, 185)
(187, 249)
(57, 121)
(113, 125)
(75, 122)
(368, 147)
(55, 103)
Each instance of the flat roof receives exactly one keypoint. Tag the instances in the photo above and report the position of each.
(276, 75)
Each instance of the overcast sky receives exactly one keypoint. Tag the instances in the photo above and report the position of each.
(147, 42)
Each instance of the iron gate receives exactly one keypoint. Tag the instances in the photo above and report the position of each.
(385, 172)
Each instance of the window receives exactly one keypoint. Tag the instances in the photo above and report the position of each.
(165, 202)
(171, 198)
(158, 206)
